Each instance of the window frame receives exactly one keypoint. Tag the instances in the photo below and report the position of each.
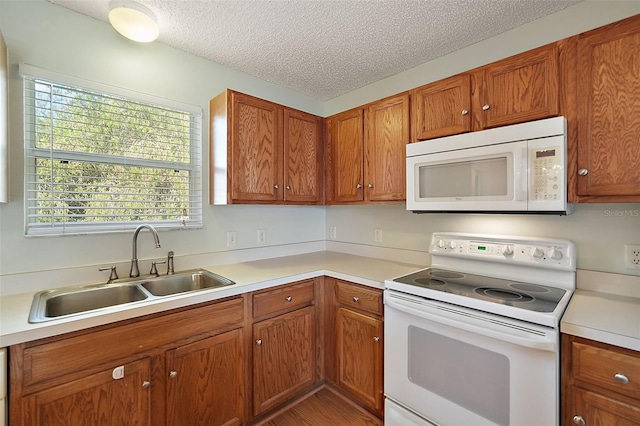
(193, 218)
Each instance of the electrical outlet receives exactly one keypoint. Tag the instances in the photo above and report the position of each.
(231, 239)
(333, 233)
(262, 236)
(377, 235)
(632, 256)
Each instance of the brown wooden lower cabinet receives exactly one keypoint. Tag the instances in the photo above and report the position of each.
(206, 383)
(360, 356)
(597, 409)
(228, 362)
(354, 342)
(180, 368)
(283, 358)
(284, 343)
(601, 384)
(97, 399)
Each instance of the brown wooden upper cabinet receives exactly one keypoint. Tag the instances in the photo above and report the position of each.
(366, 152)
(521, 88)
(442, 108)
(263, 153)
(608, 113)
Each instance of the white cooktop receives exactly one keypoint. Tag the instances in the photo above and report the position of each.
(529, 279)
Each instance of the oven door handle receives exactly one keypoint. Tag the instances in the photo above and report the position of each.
(454, 318)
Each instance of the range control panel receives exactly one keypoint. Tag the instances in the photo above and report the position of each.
(550, 253)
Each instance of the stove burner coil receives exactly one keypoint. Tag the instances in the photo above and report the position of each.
(446, 275)
(506, 295)
(429, 282)
(534, 288)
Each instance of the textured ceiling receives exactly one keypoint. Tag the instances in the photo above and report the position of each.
(325, 48)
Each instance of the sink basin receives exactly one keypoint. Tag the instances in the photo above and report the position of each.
(58, 303)
(54, 304)
(183, 282)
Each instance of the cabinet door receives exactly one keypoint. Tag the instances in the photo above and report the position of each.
(347, 155)
(302, 157)
(96, 400)
(518, 89)
(283, 358)
(206, 383)
(597, 409)
(441, 109)
(608, 75)
(256, 144)
(360, 356)
(387, 134)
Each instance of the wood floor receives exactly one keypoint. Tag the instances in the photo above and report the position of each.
(324, 408)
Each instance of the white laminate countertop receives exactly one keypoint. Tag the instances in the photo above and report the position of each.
(248, 276)
(605, 308)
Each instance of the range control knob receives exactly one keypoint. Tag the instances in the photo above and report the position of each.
(452, 244)
(507, 251)
(538, 253)
(440, 243)
(555, 254)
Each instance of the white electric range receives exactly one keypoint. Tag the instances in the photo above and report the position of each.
(474, 339)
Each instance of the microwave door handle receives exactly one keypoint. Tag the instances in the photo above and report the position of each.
(448, 319)
(521, 182)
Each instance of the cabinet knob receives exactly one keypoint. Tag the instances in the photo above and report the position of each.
(370, 185)
(289, 298)
(146, 384)
(173, 374)
(259, 342)
(276, 186)
(621, 378)
(485, 107)
(288, 187)
(358, 186)
(583, 172)
(356, 299)
(376, 339)
(579, 421)
(465, 112)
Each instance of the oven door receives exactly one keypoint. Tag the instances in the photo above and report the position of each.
(457, 366)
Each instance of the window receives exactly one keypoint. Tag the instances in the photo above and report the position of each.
(99, 162)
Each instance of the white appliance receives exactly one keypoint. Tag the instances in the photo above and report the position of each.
(474, 339)
(513, 169)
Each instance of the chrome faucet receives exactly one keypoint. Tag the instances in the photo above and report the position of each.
(135, 272)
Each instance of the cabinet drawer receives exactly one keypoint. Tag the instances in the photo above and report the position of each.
(601, 366)
(366, 299)
(283, 299)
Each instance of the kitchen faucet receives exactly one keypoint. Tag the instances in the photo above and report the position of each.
(135, 272)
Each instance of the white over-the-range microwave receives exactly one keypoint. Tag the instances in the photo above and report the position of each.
(520, 168)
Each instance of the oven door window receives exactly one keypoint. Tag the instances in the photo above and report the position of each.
(456, 370)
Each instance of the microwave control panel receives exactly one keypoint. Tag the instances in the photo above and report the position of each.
(547, 174)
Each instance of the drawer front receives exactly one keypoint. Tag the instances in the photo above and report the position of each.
(366, 299)
(607, 368)
(283, 299)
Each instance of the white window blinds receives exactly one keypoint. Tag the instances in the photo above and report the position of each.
(97, 162)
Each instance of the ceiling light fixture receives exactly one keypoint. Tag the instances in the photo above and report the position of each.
(133, 21)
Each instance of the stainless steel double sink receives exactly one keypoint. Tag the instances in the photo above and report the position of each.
(63, 302)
